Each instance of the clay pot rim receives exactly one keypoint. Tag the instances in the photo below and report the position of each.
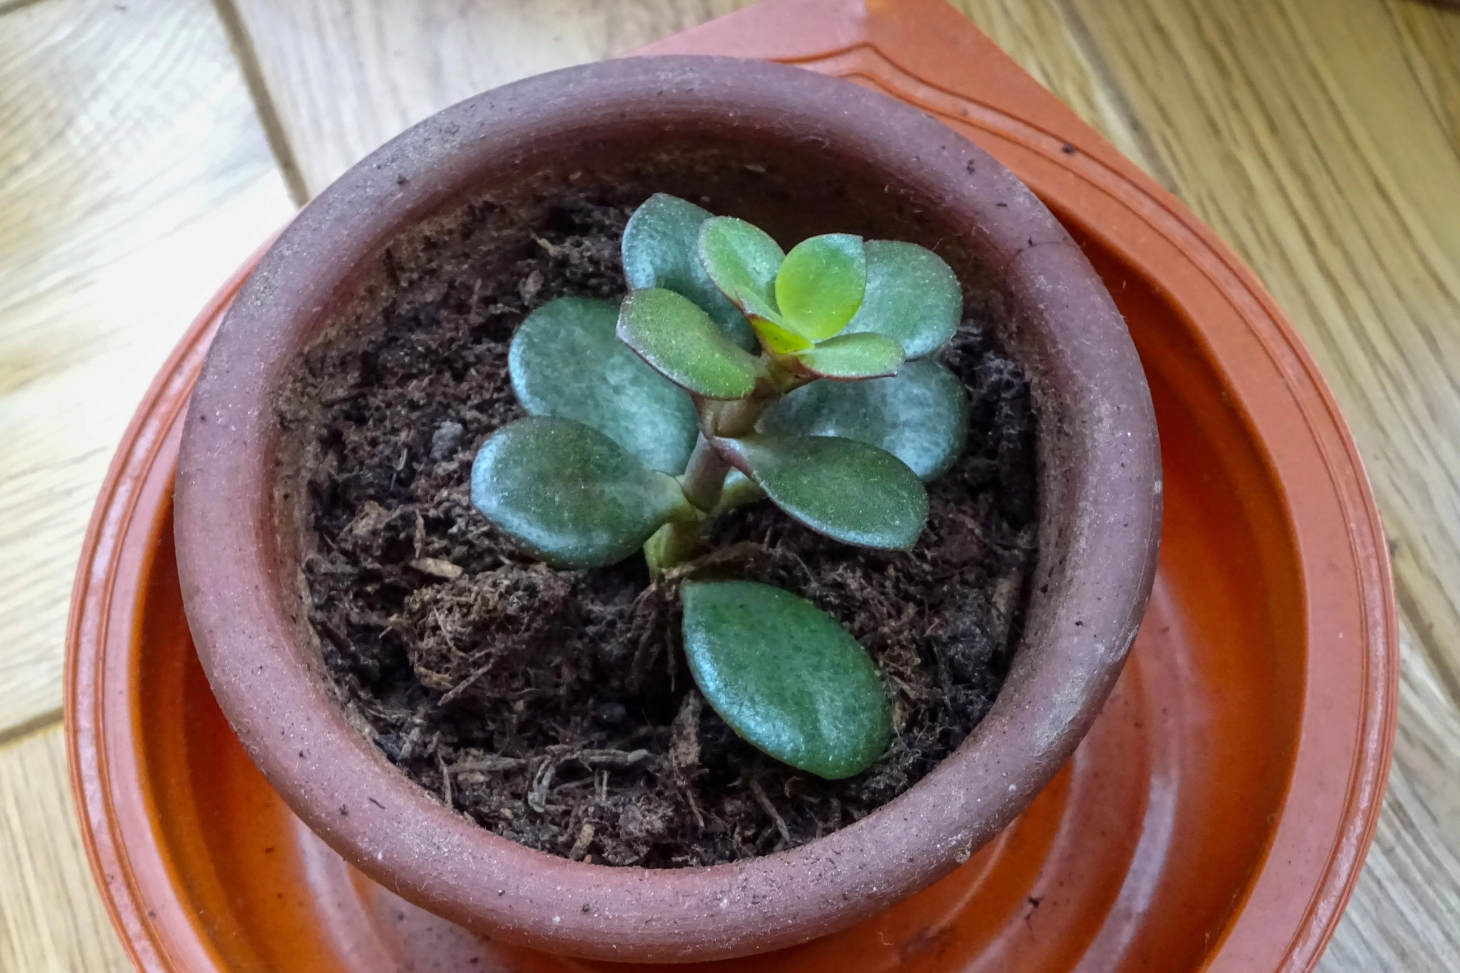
(393, 830)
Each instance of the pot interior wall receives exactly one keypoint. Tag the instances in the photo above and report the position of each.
(792, 188)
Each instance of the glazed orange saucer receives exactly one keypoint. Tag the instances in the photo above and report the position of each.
(1217, 813)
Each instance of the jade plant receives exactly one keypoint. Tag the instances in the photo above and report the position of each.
(733, 372)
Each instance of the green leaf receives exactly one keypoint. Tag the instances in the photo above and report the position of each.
(853, 356)
(742, 260)
(842, 488)
(671, 333)
(565, 360)
(920, 415)
(820, 284)
(569, 494)
(785, 676)
(660, 249)
(912, 296)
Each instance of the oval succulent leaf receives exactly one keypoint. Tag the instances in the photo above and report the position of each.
(853, 356)
(742, 260)
(785, 676)
(659, 250)
(568, 494)
(847, 490)
(820, 284)
(912, 296)
(566, 360)
(920, 415)
(671, 333)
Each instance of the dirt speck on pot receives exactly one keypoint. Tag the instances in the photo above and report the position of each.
(554, 707)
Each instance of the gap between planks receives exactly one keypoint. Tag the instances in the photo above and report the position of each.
(34, 724)
(241, 43)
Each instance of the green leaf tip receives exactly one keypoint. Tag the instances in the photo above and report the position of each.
(566, 360)
(912, 296)
(849, 357)
(785, 676)
(570, 495)
(848, 490)
(677, 338)
(742, 260)
(660, 249)
(820, 284)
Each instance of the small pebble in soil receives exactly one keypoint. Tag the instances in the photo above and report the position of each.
(445, 439)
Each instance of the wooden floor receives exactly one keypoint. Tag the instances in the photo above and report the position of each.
(147, 146)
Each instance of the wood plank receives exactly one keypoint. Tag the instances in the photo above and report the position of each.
(134, 177)
(1429, 43)
(1279, 123)
(346, 75)
(1278, 128)
(51, 917)
(1059, 53)
(1405, 912)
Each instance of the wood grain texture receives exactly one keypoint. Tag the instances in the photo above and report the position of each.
(133, 178)
(1321, 138)
(1320, 141)
(51, 917)
(346, 75)
(1405, 912)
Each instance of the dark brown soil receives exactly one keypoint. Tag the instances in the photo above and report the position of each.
(554, 707)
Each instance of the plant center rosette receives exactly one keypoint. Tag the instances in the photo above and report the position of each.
(734, 372)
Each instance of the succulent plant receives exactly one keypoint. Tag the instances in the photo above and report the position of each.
(735, 371)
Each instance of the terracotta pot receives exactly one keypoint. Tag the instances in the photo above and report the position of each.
(798, 153)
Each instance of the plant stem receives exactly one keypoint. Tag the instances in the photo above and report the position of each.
(672, 544)
(678, 541)
(704, 475)
(737, 418)
(703, 481)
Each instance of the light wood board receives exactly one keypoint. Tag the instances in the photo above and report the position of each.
(141, 157)
(134, 177)
(345, 75)
(51, 916)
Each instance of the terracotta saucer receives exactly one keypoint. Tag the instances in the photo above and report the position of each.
(1217, 813)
